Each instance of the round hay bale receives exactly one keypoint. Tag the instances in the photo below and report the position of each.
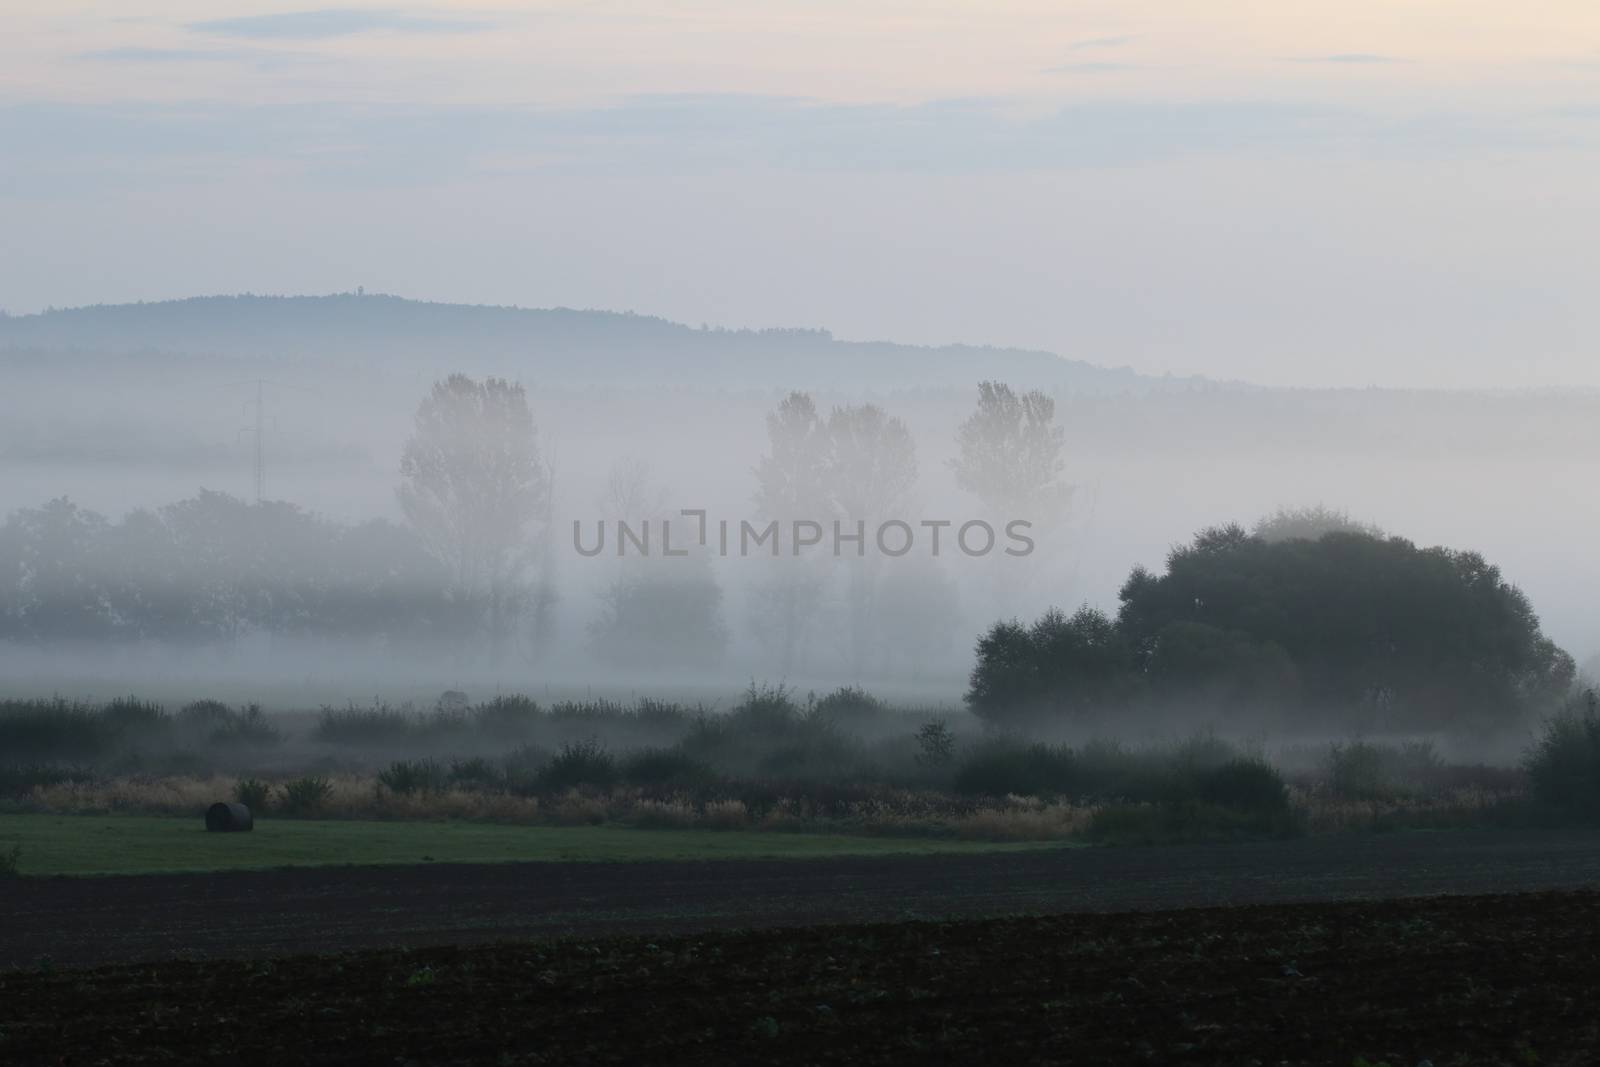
(229, 818)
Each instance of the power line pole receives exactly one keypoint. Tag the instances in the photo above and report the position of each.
(260, 424)
(259, 432)
(261, 459)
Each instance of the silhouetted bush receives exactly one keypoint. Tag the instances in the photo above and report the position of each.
(51, 729)
(1199, 752)
(665, 766)
(586, 711)
(253, 794)
(19, 779)
(1389, 634)
(814, 755)
(132, 719)
(661, 714)
(1244, 785)
(355, 726)
(477, 773)
(1369, 631)
(248, 727)
(1356, 771)
(1101, 770)
(443, 721)
(58, 730)
(198, 721)
(581, 764)
(936, 745)
(1000, 768)
(655, 715)
(306, 796)
(405, 777)
(765, 709)
(521, 769)
(1564, 763)
(510, 715)
(848, 703)
(210, 722)
(1106, 769)
(1060, 665)
(1367, 770)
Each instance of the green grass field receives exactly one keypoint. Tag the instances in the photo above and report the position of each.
(137, 844)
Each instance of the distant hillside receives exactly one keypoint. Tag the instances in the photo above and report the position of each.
(556, 345)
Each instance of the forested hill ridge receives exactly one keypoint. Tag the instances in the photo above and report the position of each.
(576, 347)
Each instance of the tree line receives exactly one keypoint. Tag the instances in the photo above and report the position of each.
(214, 568)
(473, 562)
(1309, 613)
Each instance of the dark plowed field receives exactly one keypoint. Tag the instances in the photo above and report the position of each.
(83, 921)
(1465, 980)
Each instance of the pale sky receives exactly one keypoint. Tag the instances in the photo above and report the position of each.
(1351, 193)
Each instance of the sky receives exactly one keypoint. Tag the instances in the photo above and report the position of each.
(1361, 192)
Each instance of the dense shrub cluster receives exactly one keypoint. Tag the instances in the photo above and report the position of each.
(57, 730)
(770, 760)
(1350, 628)
(304, 797)
(1248, 785)
(1364, 770)
(253, 794)
(848, 703)
(413, 776)
(1202, 768)
(666, 767)
(505, 718)
(19, 779)
(585, 764)
(1564, 764)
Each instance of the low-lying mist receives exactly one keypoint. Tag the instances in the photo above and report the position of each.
(611, 535)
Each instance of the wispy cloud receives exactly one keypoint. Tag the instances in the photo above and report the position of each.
(1353, 58)
(1089, 68)
(692, 134)
(332, 22)
(169, 55)
(1099, 42)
